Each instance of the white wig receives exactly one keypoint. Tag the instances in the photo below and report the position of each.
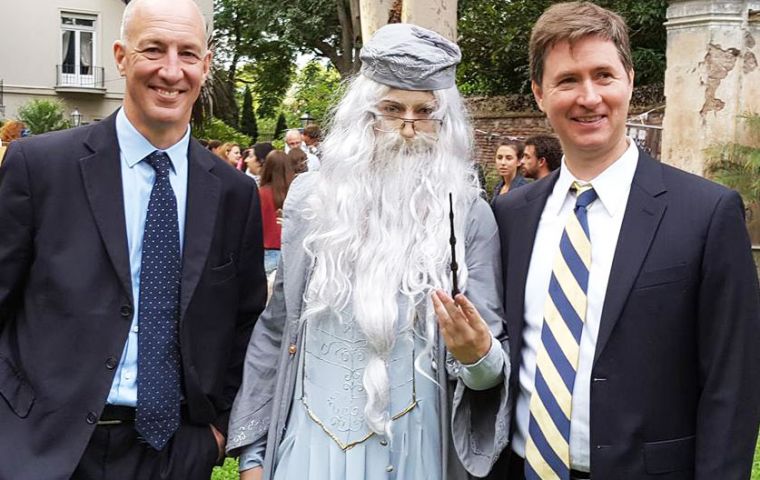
(381, 226)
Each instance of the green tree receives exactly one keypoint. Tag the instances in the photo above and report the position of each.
(280, 128)
(325, 28)
(316, 89)
(247, 117)
(41, 116)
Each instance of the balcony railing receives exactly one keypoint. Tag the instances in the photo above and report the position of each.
(78, 78)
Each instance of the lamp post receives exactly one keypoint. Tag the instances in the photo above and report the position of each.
(305, 119)
(76, 117)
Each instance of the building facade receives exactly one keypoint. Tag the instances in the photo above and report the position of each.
(62, 50)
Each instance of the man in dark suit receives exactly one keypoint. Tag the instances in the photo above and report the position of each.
(631, 296)
(130, 278)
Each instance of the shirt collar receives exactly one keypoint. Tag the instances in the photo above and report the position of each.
(608, 184)
(135, 147)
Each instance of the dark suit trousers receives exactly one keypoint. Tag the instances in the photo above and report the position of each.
(116, 452)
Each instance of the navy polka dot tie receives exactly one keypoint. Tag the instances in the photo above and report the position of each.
(158, 377)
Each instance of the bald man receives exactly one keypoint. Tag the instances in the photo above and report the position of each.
(122, 324)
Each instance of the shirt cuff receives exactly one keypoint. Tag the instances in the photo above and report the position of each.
(253, 454)
(486, 372)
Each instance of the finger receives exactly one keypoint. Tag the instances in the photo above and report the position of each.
(470, 313)
(440, 311)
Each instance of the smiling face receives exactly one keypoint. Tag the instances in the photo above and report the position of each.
(507, 161)
(585, 91)
(165, 61)
(234, 156)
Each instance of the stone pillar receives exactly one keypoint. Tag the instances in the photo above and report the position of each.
(712, 76)
(437, 15)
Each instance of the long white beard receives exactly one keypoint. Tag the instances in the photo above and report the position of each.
(381, 230)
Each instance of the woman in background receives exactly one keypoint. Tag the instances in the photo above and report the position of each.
(275, 182)
(508, 158)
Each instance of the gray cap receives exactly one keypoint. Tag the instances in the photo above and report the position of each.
(409, 57)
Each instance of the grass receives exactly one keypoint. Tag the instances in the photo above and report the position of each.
(229, 471)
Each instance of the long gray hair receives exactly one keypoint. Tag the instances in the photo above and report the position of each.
(381, 229)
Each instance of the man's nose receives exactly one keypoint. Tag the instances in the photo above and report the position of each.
(171, 70)
(407, 130)
(589, 95)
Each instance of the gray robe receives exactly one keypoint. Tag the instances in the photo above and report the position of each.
(474, 424)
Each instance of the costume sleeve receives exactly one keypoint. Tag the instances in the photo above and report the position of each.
(729, 328)
(254, 407)
(252, 301)
(253, 455)
(486, 372)
(16, 230)
(252, 410)
(480, 418)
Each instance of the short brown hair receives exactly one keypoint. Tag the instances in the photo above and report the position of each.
(548, 148)
(312, 131)
(573, 21)
(297, 159)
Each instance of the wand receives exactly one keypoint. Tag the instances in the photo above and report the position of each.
(453, 242)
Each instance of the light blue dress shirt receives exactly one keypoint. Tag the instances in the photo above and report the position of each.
(137, 182)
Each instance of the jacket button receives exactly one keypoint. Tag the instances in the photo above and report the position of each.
(126, 311)
(110, 363)
(92, 418)
(292, 349)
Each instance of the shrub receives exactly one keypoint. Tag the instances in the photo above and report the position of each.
(41, 116)
(215, 129)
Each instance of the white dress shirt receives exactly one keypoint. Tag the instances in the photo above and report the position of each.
(605, 216)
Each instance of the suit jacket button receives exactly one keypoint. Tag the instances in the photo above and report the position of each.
(110, 363)
(126, 311)
(292, 349)
(92, 418)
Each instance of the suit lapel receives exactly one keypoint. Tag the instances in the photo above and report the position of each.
(101, 175)
(523, 224)
(640, 222)
(203, 190)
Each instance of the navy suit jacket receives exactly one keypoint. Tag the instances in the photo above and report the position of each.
(66, 299)
(675, 384)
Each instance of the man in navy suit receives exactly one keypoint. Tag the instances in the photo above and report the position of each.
(662, 380)
(130, 278)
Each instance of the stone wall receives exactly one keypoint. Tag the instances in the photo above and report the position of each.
(712, 76)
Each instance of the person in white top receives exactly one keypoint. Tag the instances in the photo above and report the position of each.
(660, 380)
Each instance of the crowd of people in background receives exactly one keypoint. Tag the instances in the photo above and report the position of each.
(273, 170)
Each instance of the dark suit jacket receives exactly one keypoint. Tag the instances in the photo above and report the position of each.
(675, 390)
(66, 297)
(518, 181)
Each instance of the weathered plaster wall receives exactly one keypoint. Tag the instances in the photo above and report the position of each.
(712, 76)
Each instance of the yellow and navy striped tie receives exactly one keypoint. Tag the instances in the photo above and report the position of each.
(547, 451)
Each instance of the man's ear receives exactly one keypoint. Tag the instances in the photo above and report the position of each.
(206, 66)
(119, 54)
(538, 94)
(541, 162)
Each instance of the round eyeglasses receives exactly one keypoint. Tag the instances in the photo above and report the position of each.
(391, 123)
